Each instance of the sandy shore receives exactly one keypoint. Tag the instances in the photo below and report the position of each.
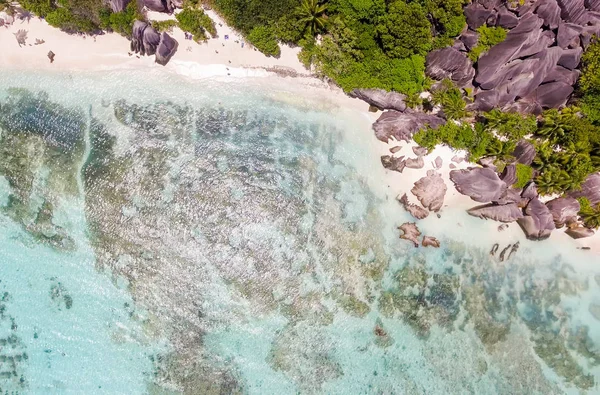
(227, 59)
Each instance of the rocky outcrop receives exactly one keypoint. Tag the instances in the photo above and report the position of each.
(590, 189)
(416, 211)
(509, 174)
(504, 213)
(480, 184)
(564, 210)
(579, 232)
(118, 5)
(430, 191)
(145, 40)
(410, 232)
(402, 125)
(538, 222)
(393, 163)
(429, 241)
(415, 163)
(450, 63)
(419, 151)
(524, 152)
(157, 5)
(381, 99)
(166, 49)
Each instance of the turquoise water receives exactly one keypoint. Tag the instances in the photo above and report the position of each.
(165, 235)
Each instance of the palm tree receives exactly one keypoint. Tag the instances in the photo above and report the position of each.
(312, 15)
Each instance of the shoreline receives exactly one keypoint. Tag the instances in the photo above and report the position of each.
(109, 52)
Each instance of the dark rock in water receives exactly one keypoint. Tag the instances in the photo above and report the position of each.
(414, 210)
(381, 99)
(504, 251)
(480, 184)
(502, 227)
(524, 152)
(469, 38)
(410, 232)
(430, 191)
(118, 5)
(538, 222)
(504, 213)
(402, 125)
(509, 174)
(477, 15)
(450, 63)
(392, 163)
(166, 49)
(589, 189)
(413, 163)
(553, 94)
(549, 11)
(506, 19)
(563, 210)
(579, 232)
(560, 74)
(494, 249)
(570, 58)
(419, 151)
(568, 35)
(429, 241)
(156, 5)
(514, 249)
(530, 191)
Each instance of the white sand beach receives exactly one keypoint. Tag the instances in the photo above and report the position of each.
(228, 59)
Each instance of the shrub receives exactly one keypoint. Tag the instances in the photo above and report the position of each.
(263, 38)
(120, 22)
(451, 99)
(197, 23)
(513, 126)
(404, 30)
(590, 215)
(488, 37)
(524, 175)
(65, 20)
(164, 26)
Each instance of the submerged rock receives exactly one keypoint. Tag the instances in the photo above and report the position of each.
(564, 210)
(430, 191)
(504, 213)
(429, 241)
(410, 232)
(393, 163)
(381, 99)
(480, 184)
(402, 125)
(538, 222)
(416, 211)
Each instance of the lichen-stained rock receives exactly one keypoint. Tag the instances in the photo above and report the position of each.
(570, 58)
(393, 163)
(415, 210)
(563, 210)
(509, 174)
(480, 184)
(402, 125)
(410, 232)
(381, 99)
(589, 189)
(549, 11)
(430, 241)
(524, 152)
(504, 213)
(469, 38)
(538, 222)
(430, 191)
(450, 63)
(166, 49)
(580, 232)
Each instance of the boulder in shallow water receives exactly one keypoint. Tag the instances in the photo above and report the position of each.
(538, 222)
(393, 163)
(480, 184)
(381, 99)
(580, 232)
(430, 191)
(564, 210)
(166, 49)
(410, 232)
(416, 211)
(430, 241)
(402, 125)
(504, 213)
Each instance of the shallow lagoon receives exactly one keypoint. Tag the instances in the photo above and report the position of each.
(234, 237)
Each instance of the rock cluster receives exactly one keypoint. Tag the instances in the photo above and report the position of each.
(381, 99)
(402, 125)
(535, 67)
(145, 40)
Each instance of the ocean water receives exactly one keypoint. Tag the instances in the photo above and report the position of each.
(165, 235)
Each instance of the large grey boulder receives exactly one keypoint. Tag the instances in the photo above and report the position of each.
(430, 191)
(570, 58)
(477, 15)
(137, 37)
(589, 189)
(560, 74)
(166, 49)
(549, 11)
(415, 163)
(430, 241)
(573, 11)
(564, 210)
(402, 125)
(450, 63)
(506, 19)
(151, 40)
(538, 222)
(156, 5)
(480, 184)
(504, 213)
(524, 152)
(381, 99)
(509, 174)
(469, 38)
(118, 5)
(568, 35)
(552, 95)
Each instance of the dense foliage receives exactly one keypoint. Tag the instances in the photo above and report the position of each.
(196, 22)
(488, 37)
(589, 214)
(589, 82)
(264, 39)
(447, 95)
